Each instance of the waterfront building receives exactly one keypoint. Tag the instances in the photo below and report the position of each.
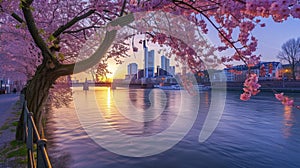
(132, 68)
(171, 70)
(286, 71)
(140, 74)
(264, 70)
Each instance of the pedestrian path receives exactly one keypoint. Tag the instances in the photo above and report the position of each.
(7, 101)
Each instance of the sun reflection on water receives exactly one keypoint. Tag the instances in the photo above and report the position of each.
(288, 121)
(108, 97)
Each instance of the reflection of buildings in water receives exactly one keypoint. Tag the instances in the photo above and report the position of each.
(133, 97)
(157, 102)
(204, 101)
(288, 121)
(206, 98)
(164, 105)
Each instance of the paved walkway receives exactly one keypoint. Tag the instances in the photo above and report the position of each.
(7, 101)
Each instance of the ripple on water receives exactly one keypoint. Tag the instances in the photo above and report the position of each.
(250, 134)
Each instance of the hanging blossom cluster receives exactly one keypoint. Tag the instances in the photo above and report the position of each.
(284, 99)
(250, 87)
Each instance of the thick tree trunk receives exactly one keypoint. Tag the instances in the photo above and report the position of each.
(36, 94)
(294, 74)
(293, 71)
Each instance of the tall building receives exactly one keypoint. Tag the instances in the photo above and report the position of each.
(145, 59)
(151, 67)
(171, 70)
(132, 69)
(165, 63)
(148, 62)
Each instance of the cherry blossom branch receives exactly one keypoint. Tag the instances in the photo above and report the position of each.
(123, 8)
(109, 38)
(17, 17)
(216, 28)
(62, 28)
(285, 100)
(34, 30)
(14, 15)
(82, 29)
(251, 88)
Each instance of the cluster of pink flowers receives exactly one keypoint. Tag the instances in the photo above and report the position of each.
(284, 99)
(250, 87)
(253, 60)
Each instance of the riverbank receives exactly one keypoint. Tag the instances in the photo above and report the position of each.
(267, 86)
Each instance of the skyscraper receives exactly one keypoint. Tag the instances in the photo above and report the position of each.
(145, 59)
(165, 63)
(151, 64)
(148, 62)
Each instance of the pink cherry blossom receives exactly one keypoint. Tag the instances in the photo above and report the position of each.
(250, 87)
(65, 26)
(245, 96)
(284, 99)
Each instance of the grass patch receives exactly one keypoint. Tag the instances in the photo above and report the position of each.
(22, 161)
(16, 143)
(4, 127)
(15, 123)
(21, 151)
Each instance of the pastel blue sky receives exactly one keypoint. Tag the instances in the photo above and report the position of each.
(274, 35)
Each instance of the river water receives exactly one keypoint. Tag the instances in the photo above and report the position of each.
(257, 133)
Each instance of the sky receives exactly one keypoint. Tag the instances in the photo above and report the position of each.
(274, 35)
(270, 39)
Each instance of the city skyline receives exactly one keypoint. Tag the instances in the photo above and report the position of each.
(271, 37)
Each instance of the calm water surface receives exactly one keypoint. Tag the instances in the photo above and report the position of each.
(257, 133)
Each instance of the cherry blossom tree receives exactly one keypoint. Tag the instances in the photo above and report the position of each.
(45, 37)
